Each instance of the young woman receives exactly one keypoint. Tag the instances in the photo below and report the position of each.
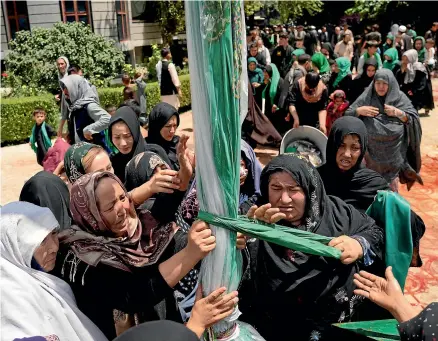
(394, 131)
(341, 76)
(308, 102)
(163, 122)
(391, 60)
(420, 47)
(289, 290)
(360, 83)
(321, 66)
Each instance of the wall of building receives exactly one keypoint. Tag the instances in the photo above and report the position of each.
(105, 19)
(43, 13)
(4, 37)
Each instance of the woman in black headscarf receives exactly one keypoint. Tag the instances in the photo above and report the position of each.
(327, 50)
(47, 190)
(292, 291)
(344, 175)
(360, 83)
(125, 135)
(163, 122)
(394, 130)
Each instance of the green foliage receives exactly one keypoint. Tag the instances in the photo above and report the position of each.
(373, 8)
(16, 122)
(33, 55)
(292, 10)
(252, 6)
(172, 19)
(150, 62)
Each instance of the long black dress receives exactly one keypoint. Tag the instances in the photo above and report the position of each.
(421, 88)
(285, 292)
(344, 85)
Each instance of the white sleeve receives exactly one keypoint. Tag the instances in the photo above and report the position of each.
(174, 75)
(267, 56)
(158, 69)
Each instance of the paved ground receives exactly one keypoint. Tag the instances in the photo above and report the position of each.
(18, 163)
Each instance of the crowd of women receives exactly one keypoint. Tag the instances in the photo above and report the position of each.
(111, 239)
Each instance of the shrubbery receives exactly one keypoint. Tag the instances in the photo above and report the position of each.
(32, 56)
(16, 113)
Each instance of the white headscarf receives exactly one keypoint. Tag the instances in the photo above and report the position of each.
(35, 303)
(67, 65)
(413, 66)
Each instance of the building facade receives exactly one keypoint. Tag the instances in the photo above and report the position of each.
(132, 24)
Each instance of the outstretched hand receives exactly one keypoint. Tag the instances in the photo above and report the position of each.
(266, 214)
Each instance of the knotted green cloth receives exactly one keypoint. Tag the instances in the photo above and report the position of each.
(392, 212)
(381, 330)
(287, 237)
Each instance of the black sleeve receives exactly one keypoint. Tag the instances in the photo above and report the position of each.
(421, 327)
(166, 205)
(50, 131)
(420, 82)
(129, 292)
(323, 101)
(293, 95)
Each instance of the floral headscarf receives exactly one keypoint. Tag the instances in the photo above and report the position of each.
(74, 168)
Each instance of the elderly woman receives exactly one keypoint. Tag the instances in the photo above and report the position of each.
(115, 258)
(414, 81)
(314, 291)
(36, 302)
(255, 74)
(87, 120)
(308, 101)
(394, 130)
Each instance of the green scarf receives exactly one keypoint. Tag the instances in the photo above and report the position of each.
(108, 142)
(393, 54)
(387, 46)
(413, 34)
(321, 62)
(377, 56)
(422, 52)
(74, 168)
(344, 65)
(273, 86)
(298, 52)
(46, 139)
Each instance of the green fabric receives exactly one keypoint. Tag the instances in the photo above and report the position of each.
(382, 330)
(422, 52)
(393, 54)
(412, 33)
(394, 212)
(376, 55)
(344, 65)
(255, 76)
(109, 143)
(290, 238)
(74, 168)
(46, 139)
(321, 62)
(387, 46)
(273, 84)
(298, 52)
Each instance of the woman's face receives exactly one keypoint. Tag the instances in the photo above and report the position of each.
(61, 65)
(122, 137)
(115, 208)
(388, 58)
(169, 130)
(371, 71)
(243, 172)
(388, 41)
(252, 66)
(348, 152)
(418, 45)
(285, 194)
(325, 52)
(405, 60)
(101, 163)
(335, 68)
(381, 87)
(45, 254)
(66, 93)
(315, 68)
(266, 75)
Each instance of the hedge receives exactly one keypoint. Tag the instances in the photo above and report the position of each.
(16, 113)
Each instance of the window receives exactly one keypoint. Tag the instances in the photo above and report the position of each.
(18, 18)
(147, 11)
(122, 19)
(75, 10)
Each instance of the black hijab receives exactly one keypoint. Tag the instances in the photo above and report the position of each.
(284, 277)
(119, 160)
(359, 185)
(160, 115)
(158, 331)
(47, 190)
(329, 48)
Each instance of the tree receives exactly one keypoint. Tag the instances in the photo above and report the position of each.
(292, 10)
(252, 6)
(32, 57)
(172, 19)
(373, 8)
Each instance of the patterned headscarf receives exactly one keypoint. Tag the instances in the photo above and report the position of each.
(92, 241)
(74, 168)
